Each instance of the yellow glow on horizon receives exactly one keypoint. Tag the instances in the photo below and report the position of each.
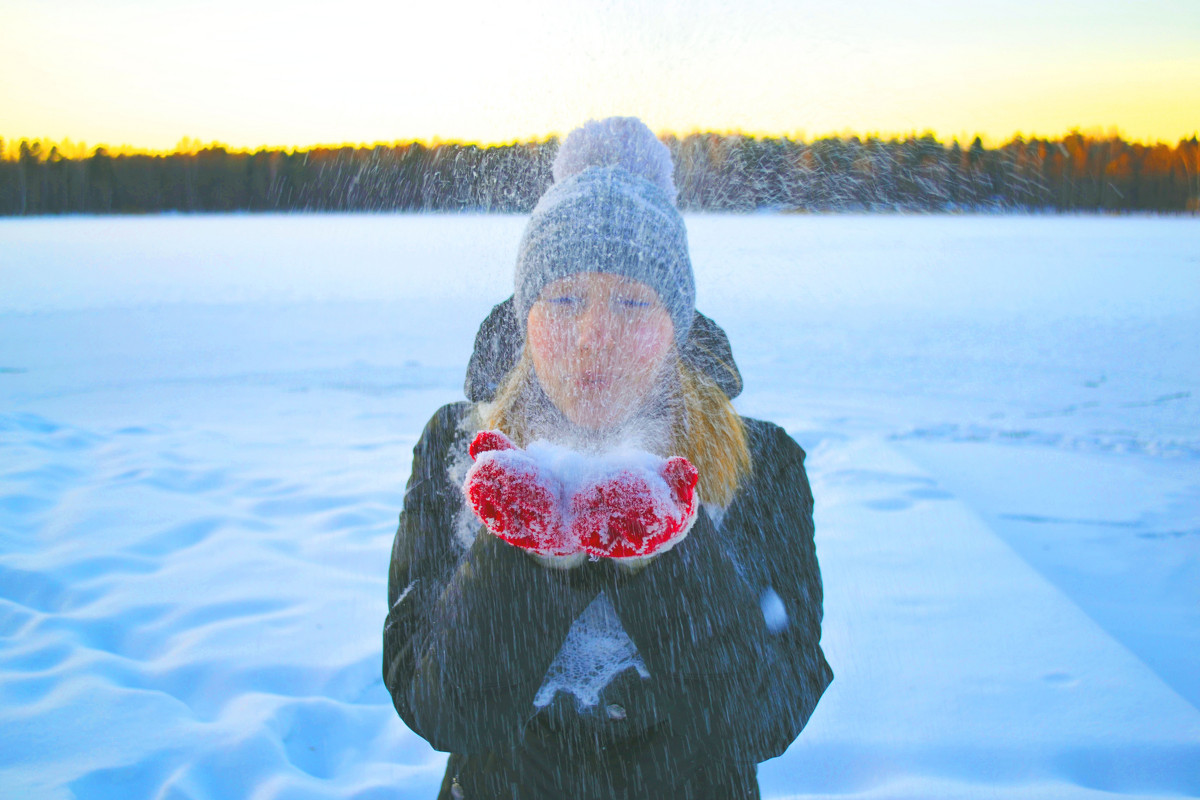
(292, 75)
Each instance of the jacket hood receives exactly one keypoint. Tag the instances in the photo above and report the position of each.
(500, 339)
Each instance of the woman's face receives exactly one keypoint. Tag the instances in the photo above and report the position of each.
(599, 344)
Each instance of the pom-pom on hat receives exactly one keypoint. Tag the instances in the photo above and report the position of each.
(623, 142)
(611, 209)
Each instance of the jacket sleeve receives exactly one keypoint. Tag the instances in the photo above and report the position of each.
(469, 635)
(729, 621)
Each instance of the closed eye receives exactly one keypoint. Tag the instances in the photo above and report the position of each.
(629, 302)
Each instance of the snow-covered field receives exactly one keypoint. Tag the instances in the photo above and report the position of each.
(206, 425)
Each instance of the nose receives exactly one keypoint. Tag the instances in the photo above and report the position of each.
(597, 325)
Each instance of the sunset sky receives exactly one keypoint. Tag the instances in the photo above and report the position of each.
(149, 72)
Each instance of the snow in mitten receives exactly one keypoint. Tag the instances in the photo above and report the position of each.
(515, 497)
(635, 511)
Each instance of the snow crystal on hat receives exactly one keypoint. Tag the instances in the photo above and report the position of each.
(623, 142)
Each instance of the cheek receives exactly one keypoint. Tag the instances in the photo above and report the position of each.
(541, 343)
(546, 344)
(653, 344)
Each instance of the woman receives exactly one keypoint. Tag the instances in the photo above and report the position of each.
(555, 672)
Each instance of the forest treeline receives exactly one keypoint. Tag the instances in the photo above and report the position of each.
(714, 172)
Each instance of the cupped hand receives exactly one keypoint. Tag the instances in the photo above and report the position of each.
(515, 498)
(635, 512)
(624, 512)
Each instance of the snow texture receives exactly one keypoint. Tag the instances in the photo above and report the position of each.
(596, 650)
(774, 613)
(207, 422)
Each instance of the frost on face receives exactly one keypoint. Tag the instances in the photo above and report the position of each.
(597, 649)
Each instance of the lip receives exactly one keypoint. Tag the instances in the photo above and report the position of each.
(595, 380)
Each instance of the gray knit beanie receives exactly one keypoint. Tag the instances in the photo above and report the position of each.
(611, 209)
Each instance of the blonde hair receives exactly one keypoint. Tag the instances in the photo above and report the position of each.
(705, 428)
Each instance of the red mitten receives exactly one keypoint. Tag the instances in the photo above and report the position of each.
(514, 497)
(636, 512)
(486, 441)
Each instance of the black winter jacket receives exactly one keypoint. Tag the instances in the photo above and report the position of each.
(727, 623)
